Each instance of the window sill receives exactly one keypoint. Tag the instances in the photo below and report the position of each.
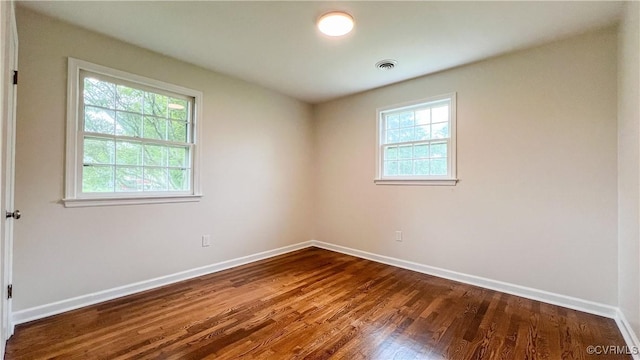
(419, 182)
(114, 201)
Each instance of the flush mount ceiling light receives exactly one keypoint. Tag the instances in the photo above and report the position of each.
(335, 23)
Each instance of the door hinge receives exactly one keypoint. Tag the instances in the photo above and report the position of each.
(9, 291)
(15, 77)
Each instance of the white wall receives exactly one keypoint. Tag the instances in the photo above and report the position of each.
(255, 174)
(629, 165)
(536, 204)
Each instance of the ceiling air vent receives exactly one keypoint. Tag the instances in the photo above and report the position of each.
(386, 64)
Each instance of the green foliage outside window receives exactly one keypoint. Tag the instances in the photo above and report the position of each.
(135, 140)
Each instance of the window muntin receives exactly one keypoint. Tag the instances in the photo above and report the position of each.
(417, 141)
(130, 139)
(135, 139)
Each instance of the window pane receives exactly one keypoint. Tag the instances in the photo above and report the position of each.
(439, 150)
(155, 104)
(178, 180)
(155, 128)
(129, 179)
(439, 167)
(178, 109)
(421, 167)
(99, 93)
(390, 168)
(423, 117)
(97, 178)
(155, 179)
(391, 153)
(128, 124)
(405, 152)
(155, 155)
(422, 132)
(128, 153)
(393, 136)
(440, 131)
(129, 99)
(393, 121)
(177, 131)
(99, 120)
(179, 157)
(421, 151)
(440, 113)
(98, 151)
(406, 134)
(405, 167)
(406, 119)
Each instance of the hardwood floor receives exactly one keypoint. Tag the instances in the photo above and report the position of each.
(317, 304)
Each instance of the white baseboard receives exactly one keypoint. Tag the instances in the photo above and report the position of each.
(587, 306)
(627, 332)
(523, 291)
(39, 312)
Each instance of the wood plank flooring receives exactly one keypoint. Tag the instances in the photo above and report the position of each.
(317, 304)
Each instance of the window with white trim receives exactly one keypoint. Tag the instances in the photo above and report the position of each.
(417, 142)
(130, 139)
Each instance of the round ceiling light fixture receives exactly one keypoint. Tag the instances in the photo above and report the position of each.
(335, 23)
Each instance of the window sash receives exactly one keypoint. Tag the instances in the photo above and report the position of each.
(177, 167)
(415, 124)
(136, 86)
(413, 158)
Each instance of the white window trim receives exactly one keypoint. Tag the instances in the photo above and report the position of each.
(74, 154)
(449, 180)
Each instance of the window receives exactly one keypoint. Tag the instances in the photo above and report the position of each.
(417, 143)
(130, 139)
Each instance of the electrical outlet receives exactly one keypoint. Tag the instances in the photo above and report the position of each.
(398, 235)
(206, 240)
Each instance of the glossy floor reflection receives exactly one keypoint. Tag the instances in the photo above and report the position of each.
(317, 304)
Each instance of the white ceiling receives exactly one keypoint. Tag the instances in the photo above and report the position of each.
(276, 44)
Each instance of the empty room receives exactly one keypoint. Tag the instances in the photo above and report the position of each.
(320, 180)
